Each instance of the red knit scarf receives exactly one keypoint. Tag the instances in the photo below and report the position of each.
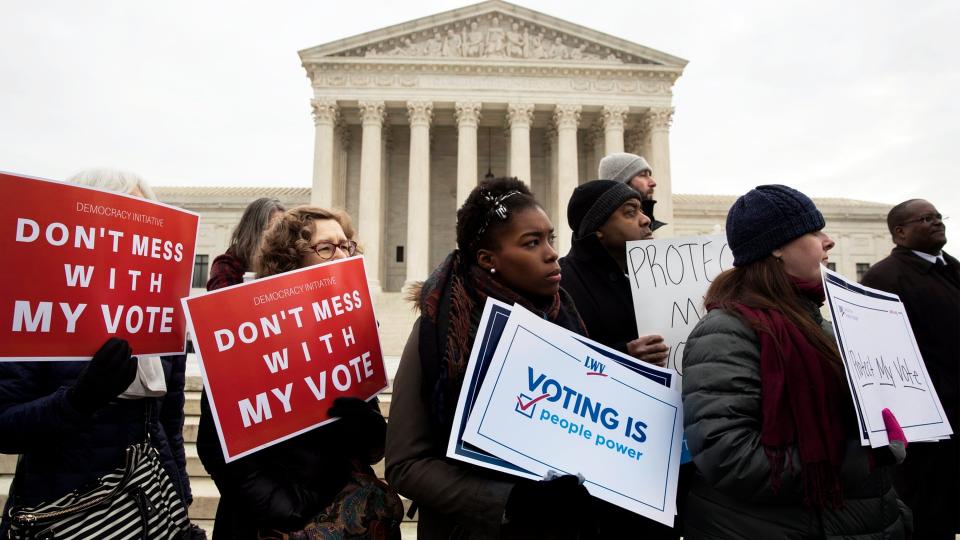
(802, 403)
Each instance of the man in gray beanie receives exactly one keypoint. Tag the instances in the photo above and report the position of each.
(634, 171)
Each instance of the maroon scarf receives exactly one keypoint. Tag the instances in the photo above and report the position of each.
(802, 402)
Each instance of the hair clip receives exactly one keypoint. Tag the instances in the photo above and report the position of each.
(497, 208)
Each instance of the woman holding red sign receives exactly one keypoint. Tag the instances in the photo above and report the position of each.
(504, 251)
(310, 482)
(72, 422)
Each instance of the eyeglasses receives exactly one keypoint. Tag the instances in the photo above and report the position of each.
(326, 250)
(927, 219)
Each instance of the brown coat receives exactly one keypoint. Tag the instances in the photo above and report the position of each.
(455, 500)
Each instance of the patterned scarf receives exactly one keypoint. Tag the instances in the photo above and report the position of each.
(802, 400)
(451, 302)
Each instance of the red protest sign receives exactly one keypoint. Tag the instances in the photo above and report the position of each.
(82, 264)
(277, 351)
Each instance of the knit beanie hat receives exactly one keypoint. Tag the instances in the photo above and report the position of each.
(592, 203)
(622, 166)
(766, 218)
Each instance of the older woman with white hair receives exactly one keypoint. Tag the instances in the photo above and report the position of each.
(71, 422)
(114, 180)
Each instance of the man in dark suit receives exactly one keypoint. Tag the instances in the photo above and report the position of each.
(927, 280)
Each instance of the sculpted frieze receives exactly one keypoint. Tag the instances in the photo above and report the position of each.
(494, 36)
(482, 80)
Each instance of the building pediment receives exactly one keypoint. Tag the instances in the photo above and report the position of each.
(491, 31)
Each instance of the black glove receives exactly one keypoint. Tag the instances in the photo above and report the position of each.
(562, 498)
(106, 376)
(361, 428)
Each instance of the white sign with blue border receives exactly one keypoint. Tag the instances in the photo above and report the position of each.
(489, 330)
(551, 402)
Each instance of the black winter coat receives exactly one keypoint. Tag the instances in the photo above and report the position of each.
(929, 480)
(280, 487)
(63, 449)
(731, 497)
(601, 292)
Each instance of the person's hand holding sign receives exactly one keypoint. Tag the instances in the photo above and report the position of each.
(362, 427)
(650, 349)
(109, 373)
(564, 497)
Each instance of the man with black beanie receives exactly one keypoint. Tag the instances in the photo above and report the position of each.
(604, 215)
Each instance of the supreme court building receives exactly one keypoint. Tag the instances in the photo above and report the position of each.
(409, 117)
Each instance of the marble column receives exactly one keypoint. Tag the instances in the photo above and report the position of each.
(325, 114)
(658, 125)
(550, 142)
(634, 140)
(418, 192)
(566, 117)
(468, 116)
(595, 145)
(341, 153)
(370, 228)
(520, 116)
(613, 118)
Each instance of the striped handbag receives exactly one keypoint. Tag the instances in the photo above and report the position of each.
(137, 501)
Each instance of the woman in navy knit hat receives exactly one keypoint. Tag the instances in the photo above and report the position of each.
(767, 410)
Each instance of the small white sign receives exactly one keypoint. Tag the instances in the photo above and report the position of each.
(550, 402)
(668, 280)
(883, 363)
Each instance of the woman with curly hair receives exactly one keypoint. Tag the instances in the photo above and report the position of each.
(504, 251)
(303, 483)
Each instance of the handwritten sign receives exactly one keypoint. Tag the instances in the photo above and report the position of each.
(276, 352)
(883, 362)
(669, 278)
(83, 264)
(550, 402)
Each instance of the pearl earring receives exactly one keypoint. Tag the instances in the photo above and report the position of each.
(493, 270)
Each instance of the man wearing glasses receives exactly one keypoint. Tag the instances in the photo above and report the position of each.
(634, 171)
(927, 280)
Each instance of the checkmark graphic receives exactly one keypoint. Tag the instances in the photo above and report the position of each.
(527, 408)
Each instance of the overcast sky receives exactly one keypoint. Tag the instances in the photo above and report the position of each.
(856, 99)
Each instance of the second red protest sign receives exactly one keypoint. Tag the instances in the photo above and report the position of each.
(276, 352)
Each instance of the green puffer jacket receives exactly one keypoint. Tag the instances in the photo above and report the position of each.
(732, 497)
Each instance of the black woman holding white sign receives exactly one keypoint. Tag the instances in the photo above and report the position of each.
(72, 422)
(767, 409)
(504, 251)
(316, 480)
